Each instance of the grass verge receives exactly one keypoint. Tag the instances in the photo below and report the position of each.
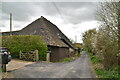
(67, 59)
(71, 58)
(111, 74)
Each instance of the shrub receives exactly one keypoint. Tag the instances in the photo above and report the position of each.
(25, 43)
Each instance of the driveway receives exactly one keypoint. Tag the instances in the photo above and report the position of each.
(14, 64)
(79, 68)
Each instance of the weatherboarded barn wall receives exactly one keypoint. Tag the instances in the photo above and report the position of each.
(58, 53)
(64, 52)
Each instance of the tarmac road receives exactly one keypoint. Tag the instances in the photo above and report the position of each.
(79, 68)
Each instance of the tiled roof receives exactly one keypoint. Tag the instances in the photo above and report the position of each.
(43, 27)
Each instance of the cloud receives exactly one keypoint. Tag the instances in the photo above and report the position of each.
(82, 13)
(68, 16)
(20, 11)
(73, 12)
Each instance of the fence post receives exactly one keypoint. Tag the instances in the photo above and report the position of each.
(20, 54)
(36, 55)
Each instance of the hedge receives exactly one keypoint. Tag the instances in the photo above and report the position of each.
(25, 43)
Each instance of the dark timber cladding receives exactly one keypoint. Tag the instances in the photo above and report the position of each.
(57, 42)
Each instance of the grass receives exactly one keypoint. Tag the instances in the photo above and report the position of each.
(1, 70)
(77, 55)
(67, 59)
(95, 59)
(112, 73)
(70, 58)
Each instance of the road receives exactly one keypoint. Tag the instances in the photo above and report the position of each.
(79, 68)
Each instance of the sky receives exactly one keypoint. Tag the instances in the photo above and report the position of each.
(72, 18)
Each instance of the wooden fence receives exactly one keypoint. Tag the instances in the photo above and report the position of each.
(29, 56)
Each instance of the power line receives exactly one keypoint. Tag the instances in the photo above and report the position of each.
(58, 10)
(60, 14)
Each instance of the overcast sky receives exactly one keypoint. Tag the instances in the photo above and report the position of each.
(72, 18)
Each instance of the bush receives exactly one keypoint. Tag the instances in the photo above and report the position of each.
(25, 43)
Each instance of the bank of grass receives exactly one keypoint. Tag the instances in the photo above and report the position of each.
(111, 74)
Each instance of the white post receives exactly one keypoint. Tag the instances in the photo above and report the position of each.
(37, 55)
(48, 57)
(20, 54)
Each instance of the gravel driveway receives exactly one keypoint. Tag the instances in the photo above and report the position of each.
(79, 68)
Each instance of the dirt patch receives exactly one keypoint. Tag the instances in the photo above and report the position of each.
(16, 64)
(7, 75)
(13, 65)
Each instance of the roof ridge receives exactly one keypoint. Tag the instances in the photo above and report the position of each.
(46, 27)
(64, 36)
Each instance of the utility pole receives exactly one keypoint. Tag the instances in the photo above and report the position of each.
(10, 23)
(75, 38)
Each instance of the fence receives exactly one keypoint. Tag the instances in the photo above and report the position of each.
(29, 56)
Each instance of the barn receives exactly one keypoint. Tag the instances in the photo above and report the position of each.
(58, 44)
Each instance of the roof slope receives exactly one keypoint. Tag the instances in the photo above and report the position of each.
(51, 34)
(53, 28)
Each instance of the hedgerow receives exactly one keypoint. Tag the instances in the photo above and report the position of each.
(25, 43)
